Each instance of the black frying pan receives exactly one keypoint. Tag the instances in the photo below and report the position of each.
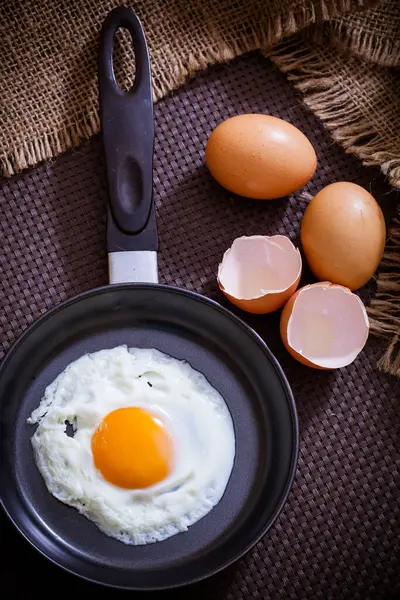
(183, 324)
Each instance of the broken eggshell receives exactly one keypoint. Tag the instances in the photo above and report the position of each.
(324, 326)
(260, 273)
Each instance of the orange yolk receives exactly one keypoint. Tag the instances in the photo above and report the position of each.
(132, 449)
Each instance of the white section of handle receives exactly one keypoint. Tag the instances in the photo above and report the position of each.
(133, 267)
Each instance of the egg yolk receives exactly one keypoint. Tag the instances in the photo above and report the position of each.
(132, 449)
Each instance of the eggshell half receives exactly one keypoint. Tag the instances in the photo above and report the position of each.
(324, 326)
(260, 156)
(259, 273)
(343, 234)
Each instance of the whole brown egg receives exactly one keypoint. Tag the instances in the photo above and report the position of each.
(259, 156)
(343, 234)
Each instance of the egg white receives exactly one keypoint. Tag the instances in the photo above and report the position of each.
(194, 413)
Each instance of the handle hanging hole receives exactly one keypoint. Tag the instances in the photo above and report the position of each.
(124, 59)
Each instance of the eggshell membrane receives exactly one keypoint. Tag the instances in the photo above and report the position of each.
(343, 234)
(259, 156)
(259, 273)
(321, 342)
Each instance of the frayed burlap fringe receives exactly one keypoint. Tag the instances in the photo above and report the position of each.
(390, 361)
(372, 34)
(48, 146)
(332, 100)
(266, 24)
(382, 51)
(384, 311)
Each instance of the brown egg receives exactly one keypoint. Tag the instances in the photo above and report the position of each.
(343, 234)
(259, 273)
(259, 156)
(324, 326)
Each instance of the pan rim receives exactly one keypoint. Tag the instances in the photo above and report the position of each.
(285, 385)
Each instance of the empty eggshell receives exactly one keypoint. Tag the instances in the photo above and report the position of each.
(324, 326)
(259, 273)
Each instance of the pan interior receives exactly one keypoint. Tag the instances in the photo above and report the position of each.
(236, 363)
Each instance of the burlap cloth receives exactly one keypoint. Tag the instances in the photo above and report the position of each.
(339, 53)
(337, 537)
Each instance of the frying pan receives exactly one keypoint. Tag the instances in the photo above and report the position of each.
(142, 313)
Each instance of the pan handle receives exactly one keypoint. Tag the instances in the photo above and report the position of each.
(128, 137)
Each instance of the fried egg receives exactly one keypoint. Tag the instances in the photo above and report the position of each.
(137, 441)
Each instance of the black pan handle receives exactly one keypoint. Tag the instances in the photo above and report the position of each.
(128, 135)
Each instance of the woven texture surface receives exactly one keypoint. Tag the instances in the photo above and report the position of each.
(337, 537)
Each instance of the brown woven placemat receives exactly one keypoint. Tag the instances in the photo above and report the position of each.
(337, 537)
